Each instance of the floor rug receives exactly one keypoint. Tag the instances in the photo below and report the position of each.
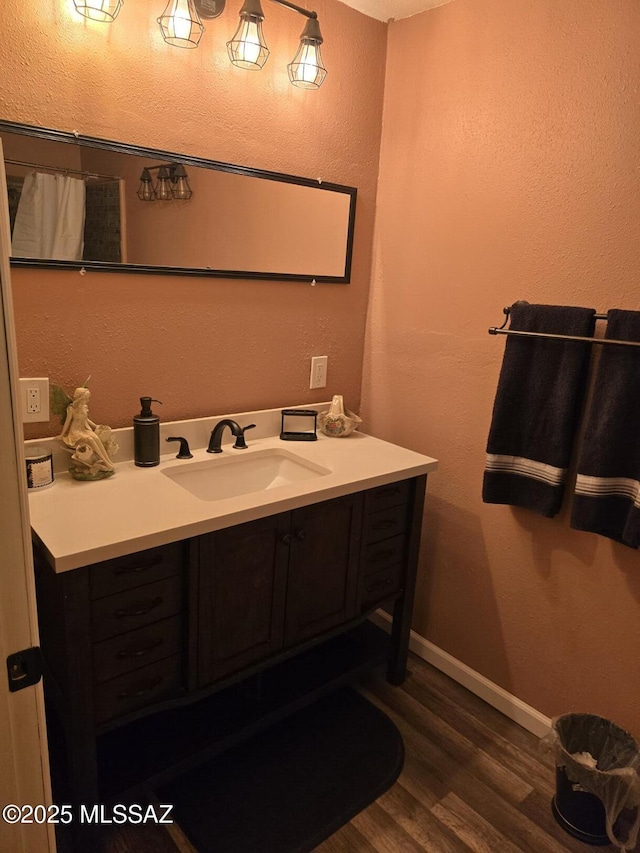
(290, 787)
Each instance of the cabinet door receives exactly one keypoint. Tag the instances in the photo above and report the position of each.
(323, 567)
(243, 575)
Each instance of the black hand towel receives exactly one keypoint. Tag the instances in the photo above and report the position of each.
(607, 492)
(537, 406)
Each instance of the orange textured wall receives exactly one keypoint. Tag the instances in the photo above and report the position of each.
(509, 170)
(202, 346)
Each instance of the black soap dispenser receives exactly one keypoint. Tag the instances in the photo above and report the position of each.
(146, 435)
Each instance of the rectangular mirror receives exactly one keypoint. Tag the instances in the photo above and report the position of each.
(77, 201)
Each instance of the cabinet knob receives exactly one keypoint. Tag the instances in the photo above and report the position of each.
(286, 539)
(300, 535)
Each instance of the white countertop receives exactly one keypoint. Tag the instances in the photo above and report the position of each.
(78, 523)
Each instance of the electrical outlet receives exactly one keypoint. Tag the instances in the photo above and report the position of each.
(34, 400)
(318, 377)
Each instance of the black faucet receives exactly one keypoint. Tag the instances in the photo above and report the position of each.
(215, 441)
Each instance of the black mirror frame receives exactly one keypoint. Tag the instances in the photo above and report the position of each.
(147, 269)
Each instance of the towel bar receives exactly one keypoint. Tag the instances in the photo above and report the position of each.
(500, 330)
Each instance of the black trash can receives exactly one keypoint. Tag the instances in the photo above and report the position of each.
(578, 812)
(584, 791)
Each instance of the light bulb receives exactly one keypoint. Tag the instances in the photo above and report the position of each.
(180, 24)
(309, 64)
(248, 49)
(163, 187)
(180, 181)
(249, 43)
(146, 191)
(307, 69)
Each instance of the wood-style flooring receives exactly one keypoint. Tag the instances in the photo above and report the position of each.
(472, 781)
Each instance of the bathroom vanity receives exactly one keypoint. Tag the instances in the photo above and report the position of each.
(164, 641)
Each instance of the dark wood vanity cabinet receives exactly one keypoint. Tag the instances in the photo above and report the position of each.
(242, 588)
(324, 556)
(170, 627)
(270, 584)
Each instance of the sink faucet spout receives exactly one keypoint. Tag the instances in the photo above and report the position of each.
(215, 441)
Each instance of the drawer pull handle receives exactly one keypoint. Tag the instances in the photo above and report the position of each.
(384, 525)
(372, 587)
(139, 652)
(140, 567)
(381, 555)
(142, 690)
(388, 492)
(142, 610)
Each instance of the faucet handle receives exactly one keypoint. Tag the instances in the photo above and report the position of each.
(184, 452)
(241, 444)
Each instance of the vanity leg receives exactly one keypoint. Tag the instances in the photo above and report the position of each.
(64, 621)
(403, 607)
(83, 769)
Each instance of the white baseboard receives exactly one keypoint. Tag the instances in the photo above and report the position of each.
(505, 702)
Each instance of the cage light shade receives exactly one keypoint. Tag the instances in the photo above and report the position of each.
(180, 24)
(307, 70)
(146, 191)
(248, 48)
(180, 181)
(104, 11)
(163, 187)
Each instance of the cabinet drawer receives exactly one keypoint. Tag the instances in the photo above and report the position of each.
(134, 569)
(389, 495)
(136, 649)
(385, 523)
(137, 689)
(384, 554)
(134, 608)
(380, 585)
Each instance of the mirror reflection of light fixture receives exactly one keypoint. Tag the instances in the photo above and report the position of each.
(307, 71)
(180, 24)
(146, 192)
(173, 182)
(105, 11)
(181, 188)
(163, 187)
(248, 49)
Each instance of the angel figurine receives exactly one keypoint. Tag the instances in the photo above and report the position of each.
(93, 444)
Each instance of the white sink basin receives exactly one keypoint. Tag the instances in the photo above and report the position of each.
(231, 475)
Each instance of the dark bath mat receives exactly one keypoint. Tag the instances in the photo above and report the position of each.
(290, 787)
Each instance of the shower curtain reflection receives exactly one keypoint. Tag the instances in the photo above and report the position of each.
(49, 221)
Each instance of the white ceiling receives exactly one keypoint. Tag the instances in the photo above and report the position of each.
(383, 10)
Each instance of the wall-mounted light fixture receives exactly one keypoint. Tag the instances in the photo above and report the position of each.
(181, 26)
(173, 182)
(248, 49)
